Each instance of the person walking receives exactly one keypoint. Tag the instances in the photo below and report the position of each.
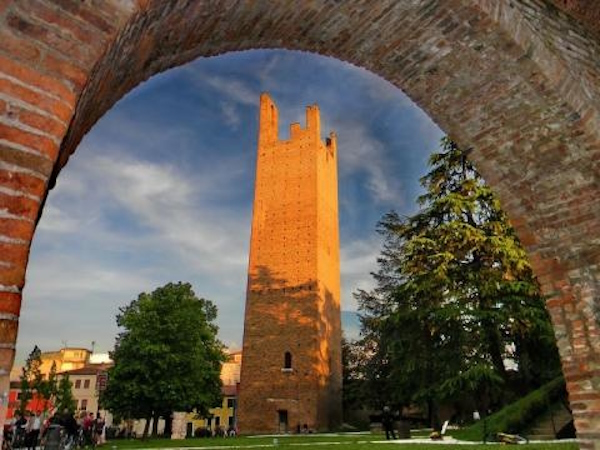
(34, 426)
(88, 428)
(387, 421)
(20, 426)
(99, 430)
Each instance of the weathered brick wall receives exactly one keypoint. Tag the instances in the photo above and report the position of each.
(293, 298)
(516, 80)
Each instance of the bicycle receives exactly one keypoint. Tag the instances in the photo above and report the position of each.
(7, 440)
(70, 441)
(19, 439)
(506, 438)
(80, 439)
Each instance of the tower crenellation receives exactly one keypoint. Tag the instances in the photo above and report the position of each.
(331, 144)
(268, 121)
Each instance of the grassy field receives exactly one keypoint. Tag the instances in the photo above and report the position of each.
(345, 442)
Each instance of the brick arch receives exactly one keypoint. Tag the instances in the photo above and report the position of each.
(515, 80)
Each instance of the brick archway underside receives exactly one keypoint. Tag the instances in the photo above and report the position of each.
(515, 80)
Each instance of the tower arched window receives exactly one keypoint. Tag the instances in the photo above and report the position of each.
(287, 360)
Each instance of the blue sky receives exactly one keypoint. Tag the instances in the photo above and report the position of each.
(161, 189)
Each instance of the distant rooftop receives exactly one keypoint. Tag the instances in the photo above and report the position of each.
(100, 358)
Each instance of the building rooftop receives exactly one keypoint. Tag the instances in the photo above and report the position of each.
(91, 369)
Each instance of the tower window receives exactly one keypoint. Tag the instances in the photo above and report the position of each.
(287, 360)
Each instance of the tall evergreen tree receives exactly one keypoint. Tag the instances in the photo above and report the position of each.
(30, 378)
(64, 395)
(456, 297)
(47, 387)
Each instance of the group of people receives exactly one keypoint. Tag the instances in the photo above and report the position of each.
(25, 430)
(28, 430)
(217, 432)
(85, 430)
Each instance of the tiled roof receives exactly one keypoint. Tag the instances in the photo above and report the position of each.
(89, 369)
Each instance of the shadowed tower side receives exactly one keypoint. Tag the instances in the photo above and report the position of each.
(291, 370)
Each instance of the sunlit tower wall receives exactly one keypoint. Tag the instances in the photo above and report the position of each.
(292, 372)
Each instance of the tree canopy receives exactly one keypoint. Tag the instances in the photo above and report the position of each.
(65, 401)
(168, 357)
(30, 378)
(33, 382)
(456, 299)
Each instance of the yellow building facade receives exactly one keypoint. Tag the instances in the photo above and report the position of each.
(66, 359)
(225, 416)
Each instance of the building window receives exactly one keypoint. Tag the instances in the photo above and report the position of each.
(217, 421)
(77, 384)
(231, 402)
(230, 421)
(83, 406)
(86, 384)
(287, 360)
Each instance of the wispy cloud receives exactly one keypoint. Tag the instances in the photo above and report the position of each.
(361, 152)
(182, 234)
(230, 114)
(359, 260)
(232, 88)
(57, 221)
(178, 210)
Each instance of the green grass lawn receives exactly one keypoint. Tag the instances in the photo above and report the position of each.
(345, 442)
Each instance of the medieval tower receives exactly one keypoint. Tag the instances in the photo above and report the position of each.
(291, 371)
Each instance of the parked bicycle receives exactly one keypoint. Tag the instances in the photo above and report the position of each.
(506, 438)
(7, 440)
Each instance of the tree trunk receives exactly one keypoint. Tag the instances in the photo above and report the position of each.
(524, 361)
(146, 426)
(168, 423)
(434, 414)
(496, 349)
(156, 416)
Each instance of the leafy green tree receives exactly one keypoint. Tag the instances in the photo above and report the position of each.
(30, 378)
(64, 395)
(352, 374)
(167, 358)
(32, 382)
(456, 296)
(47, 387)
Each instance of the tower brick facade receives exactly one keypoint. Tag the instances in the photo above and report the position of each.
(291, 374)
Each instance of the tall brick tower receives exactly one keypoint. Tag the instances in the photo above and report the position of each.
(291, 369)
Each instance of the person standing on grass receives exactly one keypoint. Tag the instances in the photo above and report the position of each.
(99, 430)
(387, 421)
(34, 431)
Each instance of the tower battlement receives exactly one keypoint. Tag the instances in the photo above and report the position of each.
(291, 373)
(269, 125)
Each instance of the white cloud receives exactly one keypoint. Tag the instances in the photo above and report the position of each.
(56, 221)
(178, 210)
(359, 259)
(230, 114)
(230, 88)
(266, 73)
(362, 152)
(67, 275)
